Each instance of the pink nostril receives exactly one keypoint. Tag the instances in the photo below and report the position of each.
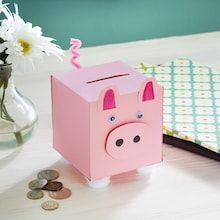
(136, 139)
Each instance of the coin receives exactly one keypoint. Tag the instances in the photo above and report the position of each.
(50, 205)
(53, 186)
(35, 194)
(37, 184)
(61, 194)
(48, 174)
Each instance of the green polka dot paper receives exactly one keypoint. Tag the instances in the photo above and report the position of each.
(191, 101)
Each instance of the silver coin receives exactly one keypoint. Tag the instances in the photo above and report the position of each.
(37, 184)
(35, 194)
(48, 174)
(50, 205)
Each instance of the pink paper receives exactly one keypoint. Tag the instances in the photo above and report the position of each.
(107, 119)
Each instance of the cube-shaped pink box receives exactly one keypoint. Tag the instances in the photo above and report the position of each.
(107, 119)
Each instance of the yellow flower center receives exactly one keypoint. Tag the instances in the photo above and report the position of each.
(26, 46)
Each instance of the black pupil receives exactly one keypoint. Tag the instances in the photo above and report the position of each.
(112, 118)
(136, 139)
(119, 142)
(140, 115)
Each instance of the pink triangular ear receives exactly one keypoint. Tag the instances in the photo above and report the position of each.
(148, 93)
(109, 100)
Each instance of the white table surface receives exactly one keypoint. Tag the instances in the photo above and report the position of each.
(184, 186)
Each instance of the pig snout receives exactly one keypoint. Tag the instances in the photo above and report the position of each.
(128, 140)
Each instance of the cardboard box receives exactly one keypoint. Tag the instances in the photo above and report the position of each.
(107, 119)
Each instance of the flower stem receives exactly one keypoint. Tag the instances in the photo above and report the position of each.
(19, 138)
(2, 101)
(5, 115)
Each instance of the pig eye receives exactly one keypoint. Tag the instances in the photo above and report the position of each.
(112, 118)
(140, 114)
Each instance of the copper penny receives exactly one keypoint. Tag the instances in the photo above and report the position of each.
(50, 205)
(62, 194)
(53, 186)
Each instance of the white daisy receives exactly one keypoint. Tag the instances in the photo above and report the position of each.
(5, 30)
(25, 43)
(14, 49)
(3, 7)
(32, 45)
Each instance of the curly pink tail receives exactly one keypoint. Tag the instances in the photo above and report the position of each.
(76, 44)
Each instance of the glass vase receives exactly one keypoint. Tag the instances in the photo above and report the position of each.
(17, 113)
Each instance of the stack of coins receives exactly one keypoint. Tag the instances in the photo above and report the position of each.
(45, 182)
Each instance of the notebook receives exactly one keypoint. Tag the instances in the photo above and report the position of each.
(191, 104)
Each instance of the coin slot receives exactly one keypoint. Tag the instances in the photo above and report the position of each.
(106, 78)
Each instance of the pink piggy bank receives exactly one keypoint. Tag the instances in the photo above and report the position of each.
(107, 119)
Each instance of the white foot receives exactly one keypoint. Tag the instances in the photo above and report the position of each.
(97, 184)
(147, 170)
